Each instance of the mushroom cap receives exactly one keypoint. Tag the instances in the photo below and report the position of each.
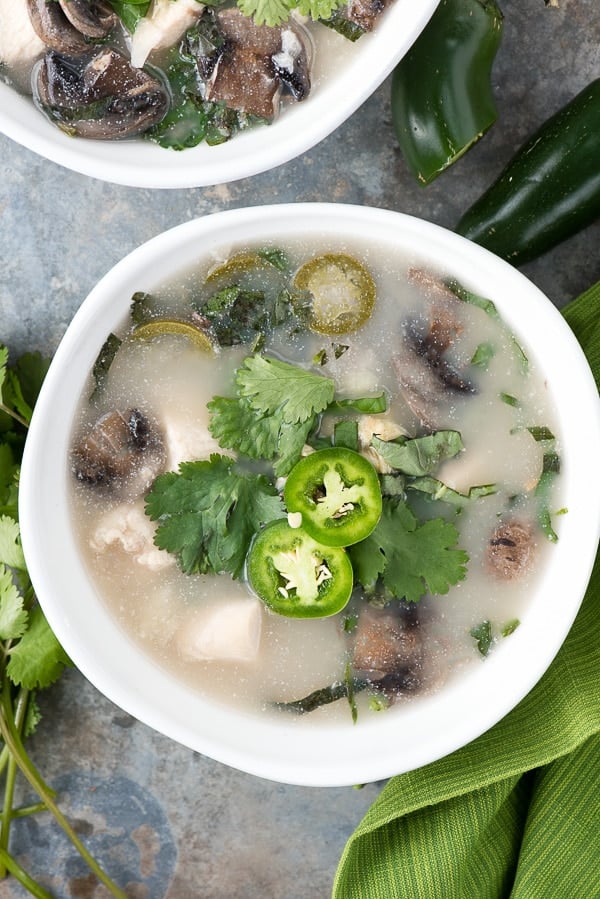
(54, 28)
(101, 97)
(92, 18)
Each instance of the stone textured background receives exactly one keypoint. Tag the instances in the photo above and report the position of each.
(168, 822)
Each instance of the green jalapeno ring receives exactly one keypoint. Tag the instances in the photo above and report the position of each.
(338, 494)
(296, 576)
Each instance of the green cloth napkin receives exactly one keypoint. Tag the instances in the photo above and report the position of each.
(516, 813)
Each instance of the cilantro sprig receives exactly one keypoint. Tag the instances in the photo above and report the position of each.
(208, 513)
(275, 12)
(274, 410)
(410, 558)
(31, 658)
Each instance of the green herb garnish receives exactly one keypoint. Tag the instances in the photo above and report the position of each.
(208, 513)
(31, 657)
(410, 558)
(483, 636)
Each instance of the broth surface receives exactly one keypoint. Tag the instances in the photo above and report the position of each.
(170, 380)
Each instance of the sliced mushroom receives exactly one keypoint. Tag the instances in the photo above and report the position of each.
(445, 324)
(424, 373)
(364, 13)
(292, 61)
(101, 97)
(119, 448)
(92, 18)
(387, 643)
(254, 61)
(54, 28)
(510, 550)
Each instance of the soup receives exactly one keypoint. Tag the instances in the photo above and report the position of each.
(175, 71)
(315, 479)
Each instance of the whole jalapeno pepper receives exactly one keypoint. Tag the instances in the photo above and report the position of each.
(548, 191)
(442, 99)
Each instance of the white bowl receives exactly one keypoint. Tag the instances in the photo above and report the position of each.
(340, 753)
(140, 163)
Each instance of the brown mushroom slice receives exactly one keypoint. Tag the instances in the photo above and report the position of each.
(425, 376)
(445, 323)
(386, 642)
(118, 448)
(101, 97)
(255, 62)
(420, 388)
(54, 28)
(510, 550)
(365, 13)
(92, 18)
(293, 60)
(245, 81)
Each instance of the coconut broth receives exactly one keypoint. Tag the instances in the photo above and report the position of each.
(169, 378)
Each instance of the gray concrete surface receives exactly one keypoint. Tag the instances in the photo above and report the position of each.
(171, 823)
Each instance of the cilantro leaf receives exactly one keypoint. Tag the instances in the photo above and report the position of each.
(238, 427)
(411, 558)
(38, 659)
(208, 513)
(33, 716)
(274, 386)
(318, 9)
(11, 552)
(8, 481)
(13, 617)
(267, 12)
(274, 412)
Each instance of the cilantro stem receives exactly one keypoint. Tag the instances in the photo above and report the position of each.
(12, 739)
(23, 877)
(24, 810)
(15, 415)
(11, 773)
(9, 790)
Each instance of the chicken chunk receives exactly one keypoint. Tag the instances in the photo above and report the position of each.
(186, 439)
(370, 426)
(130, 529)
(164, 23)
(227, 631)
(20, 46)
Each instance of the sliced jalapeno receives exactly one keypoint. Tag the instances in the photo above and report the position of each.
(244, 263)
(342, 292)
(295, 575)
(338, 495)
(157, 327)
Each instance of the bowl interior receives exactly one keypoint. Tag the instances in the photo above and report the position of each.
(299, 751)
(144, 164)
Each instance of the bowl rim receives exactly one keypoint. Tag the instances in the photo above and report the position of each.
(301, 754)
(144, 164)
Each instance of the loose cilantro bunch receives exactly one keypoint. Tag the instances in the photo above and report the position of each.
(31, 657)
